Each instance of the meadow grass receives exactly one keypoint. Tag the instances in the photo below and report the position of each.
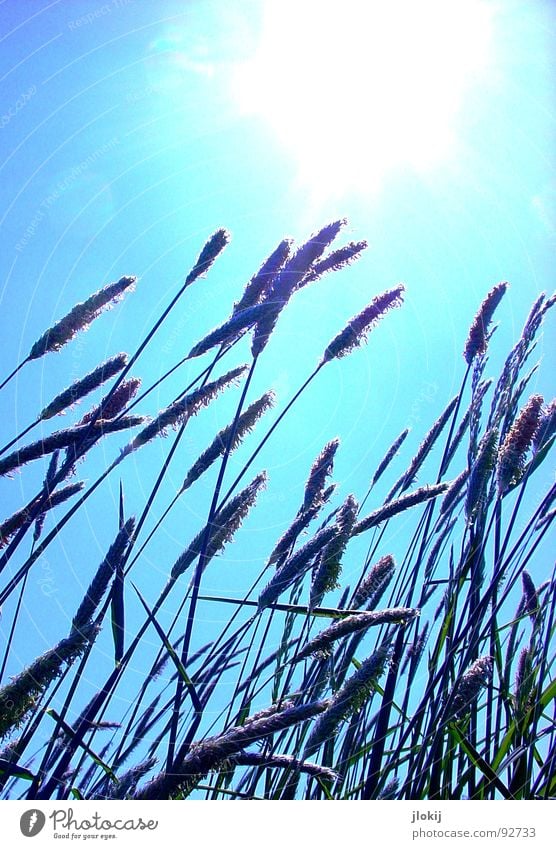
(429, 677)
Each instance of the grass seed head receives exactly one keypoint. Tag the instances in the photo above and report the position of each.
(214, 246)
(296, 566)
(478, 334)
(377, 579)
(320, 471)
(329, 565)
(105, 571)
(355, 332)
(245, 425)
(288, 279)
(180, 411)
(115, 402)
(80, 317)
(222, 528)
(84, 386)
(389, 456)
(265, 276)
(546, 427)
(16, 521)
(392, 508)
(512, 455)
(335, 260)
(349, 698)
(19, 696)
(530, 596)
(469, 687)
(480, 474)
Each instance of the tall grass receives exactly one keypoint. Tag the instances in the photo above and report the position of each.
(428, 677)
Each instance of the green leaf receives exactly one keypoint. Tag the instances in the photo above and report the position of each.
(534, 463)
(9, 768)
(301, 609)
(548, 696)
(173, 656)
(325, 789)
(118, 613)
(122, 509)
(505, 746)
(478, 760)
(67, 729)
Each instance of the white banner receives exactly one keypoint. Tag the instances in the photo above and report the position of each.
(168, 824)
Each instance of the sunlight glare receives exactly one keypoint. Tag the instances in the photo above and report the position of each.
(357, 88)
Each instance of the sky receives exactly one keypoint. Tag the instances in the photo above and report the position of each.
(132, 130)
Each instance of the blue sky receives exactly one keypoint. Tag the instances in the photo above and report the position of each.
(131, 131)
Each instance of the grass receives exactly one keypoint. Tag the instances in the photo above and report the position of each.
(427, 678)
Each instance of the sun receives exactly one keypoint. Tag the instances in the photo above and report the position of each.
(358, 88)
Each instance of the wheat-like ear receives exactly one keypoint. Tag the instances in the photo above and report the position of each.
(415, 650)
(228, 331)
(245, 425)
(214, 246)
(524, 681)
(287, 540)
(69, 438)
(468, 687)
(208, 753)
(454, 492)
(418, 496)
(80, 317)
(479, 475)
(334, 261)
(286, 282)
(180, 411)
(424, 450)
(17, 520)
(287, 762)
(389, 456)
(107, 568)
(390, 790)
(315, 496)
(327, 570)
(296, 566)
(546, 427)
(49, 484)
(265, 276)
(511, 458)
(356, 330)
(354, 624)
(128, 780)
(84, 386)
(116, 401)
(222, 527)
(504, 397)
(478, 334)
(320, 470)
(348, 699)
(530, 596)
(376, 580)
(18, 697)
